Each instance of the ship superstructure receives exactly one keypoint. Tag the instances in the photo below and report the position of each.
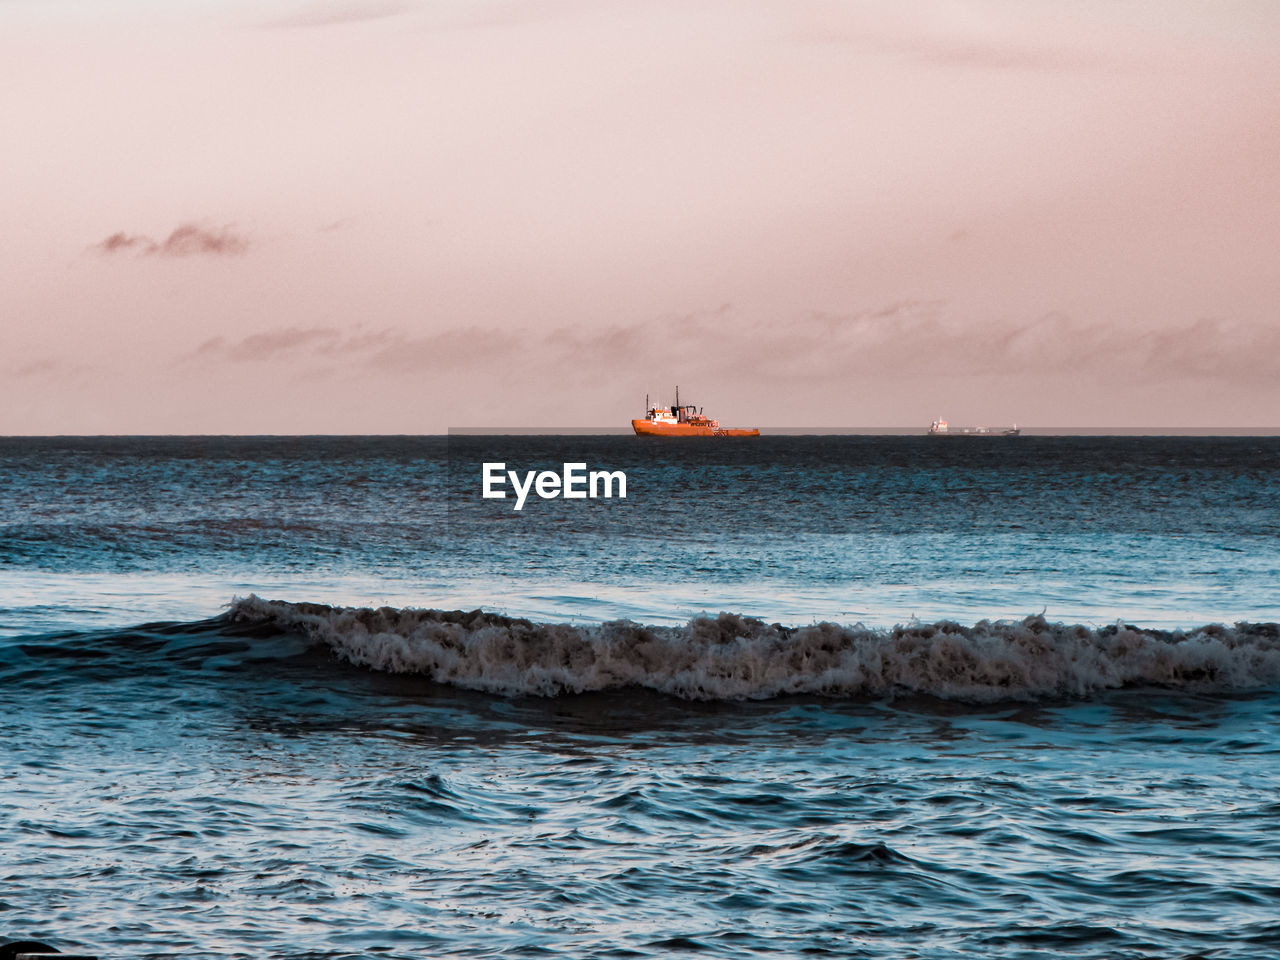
(940, 428)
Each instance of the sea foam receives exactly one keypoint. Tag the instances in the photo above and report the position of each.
(732, 657)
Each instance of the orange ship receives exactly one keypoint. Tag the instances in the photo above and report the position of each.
(684, 420)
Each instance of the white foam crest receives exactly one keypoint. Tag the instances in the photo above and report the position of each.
(731, 657)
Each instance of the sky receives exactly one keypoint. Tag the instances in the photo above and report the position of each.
(371, 216)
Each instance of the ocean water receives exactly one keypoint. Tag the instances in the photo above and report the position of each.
(797, 696)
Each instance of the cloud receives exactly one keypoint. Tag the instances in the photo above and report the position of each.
(190, 239)
(914, 338)
(270, 345)
(333, 13)
(300, 343)
(924, 338)
(963, 37)
(1212, 349)
(469, 346)
(122, 241)
(980, 55)
(36, 369)
(186, 240)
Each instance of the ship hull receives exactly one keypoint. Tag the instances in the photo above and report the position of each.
(647, 428)
(977, 432)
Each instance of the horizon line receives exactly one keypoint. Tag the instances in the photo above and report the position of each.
(1113, 431)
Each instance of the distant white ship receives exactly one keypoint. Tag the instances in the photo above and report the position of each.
(940, 428)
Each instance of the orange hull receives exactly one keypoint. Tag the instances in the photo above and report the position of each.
(647, 428)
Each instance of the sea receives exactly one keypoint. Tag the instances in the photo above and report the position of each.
(794, 696)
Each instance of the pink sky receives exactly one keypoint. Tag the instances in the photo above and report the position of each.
(388, 217)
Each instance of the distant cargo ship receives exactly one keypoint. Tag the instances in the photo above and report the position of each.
(684, 420)
(940, 428)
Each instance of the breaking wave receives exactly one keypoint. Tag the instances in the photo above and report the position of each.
(733, 657)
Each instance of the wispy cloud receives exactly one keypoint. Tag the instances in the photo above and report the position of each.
(469, 346)
(915, 338)
(964, 41)
(186, 240)
(36, 369)
(297, 343)
(329, 14)
(995, 55)
(385, 350)
(42, 370)
(927, 338)
(270, 345)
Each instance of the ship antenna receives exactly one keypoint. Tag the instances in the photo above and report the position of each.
(677, 394)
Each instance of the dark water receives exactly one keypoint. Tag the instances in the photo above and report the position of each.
(848, 696)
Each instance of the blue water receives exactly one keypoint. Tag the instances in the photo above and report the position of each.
(797, 696)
